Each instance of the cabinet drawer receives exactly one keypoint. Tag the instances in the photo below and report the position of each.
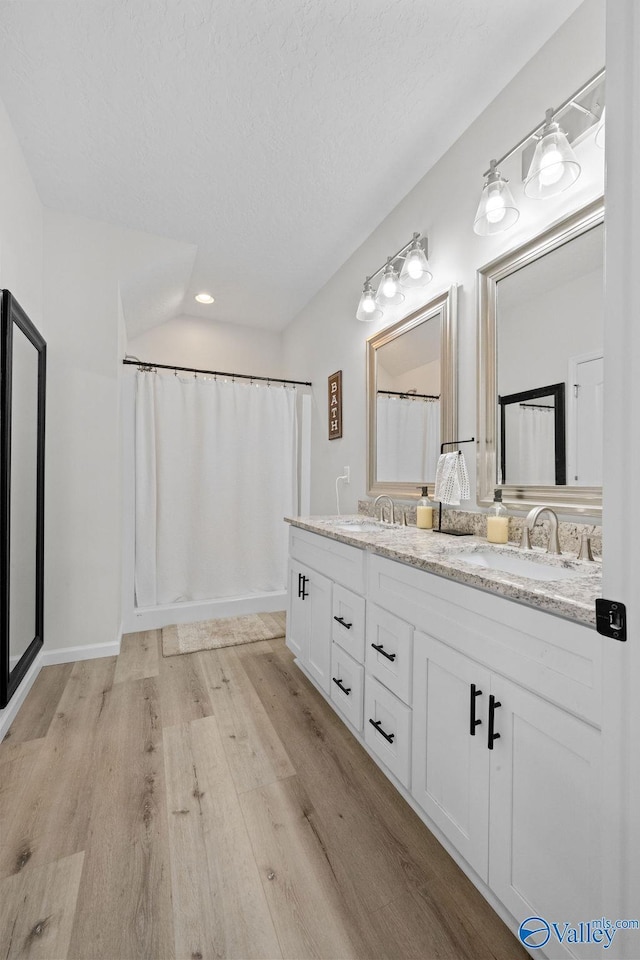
(343, 564)
(389, 653)
(387, 729)
(347, 625)
(348, 693)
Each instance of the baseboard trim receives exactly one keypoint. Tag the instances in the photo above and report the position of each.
(87, 652)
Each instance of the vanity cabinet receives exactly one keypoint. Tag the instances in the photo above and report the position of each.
(489, 730)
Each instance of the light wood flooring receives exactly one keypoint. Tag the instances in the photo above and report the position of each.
(208, 806)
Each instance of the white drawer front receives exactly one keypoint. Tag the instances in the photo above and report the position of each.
(389, 651)
(339, 562)
(347, 625)
(347, 685)
(387, 729)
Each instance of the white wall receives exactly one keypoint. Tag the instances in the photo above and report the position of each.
(83, 527)
(327, 337)
(212, 345)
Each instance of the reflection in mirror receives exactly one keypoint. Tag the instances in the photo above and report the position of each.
(408, 405)
(532, 437)
(541, 368)
(411, 397)
(24, 456)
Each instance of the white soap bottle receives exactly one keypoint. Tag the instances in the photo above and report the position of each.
(424, 512)
(498, 521)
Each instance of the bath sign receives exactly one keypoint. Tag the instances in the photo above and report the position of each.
(335, 405)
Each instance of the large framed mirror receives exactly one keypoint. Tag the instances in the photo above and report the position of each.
(411, 397)
(22, 413)
(540, 343)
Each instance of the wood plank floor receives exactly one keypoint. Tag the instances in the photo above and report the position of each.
(212, 806)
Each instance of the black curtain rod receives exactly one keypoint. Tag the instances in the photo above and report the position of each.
(212, 373)
(404, 393)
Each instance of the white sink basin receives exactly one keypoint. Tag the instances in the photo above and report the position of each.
(521, 566)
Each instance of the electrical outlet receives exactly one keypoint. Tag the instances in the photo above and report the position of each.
(347, 474)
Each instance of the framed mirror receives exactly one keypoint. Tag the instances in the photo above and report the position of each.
(411, 397)
(540, 364)
(22, 412)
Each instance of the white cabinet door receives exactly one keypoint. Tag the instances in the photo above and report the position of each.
(544, 855)
(316, 594)
(297, 613)
(450, 769)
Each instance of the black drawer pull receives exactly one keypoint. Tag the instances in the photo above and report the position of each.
(303, 587)
(338, 683)
(493, 704)
(381, 649)
(473, 723)
(347, 626)
(389, 737)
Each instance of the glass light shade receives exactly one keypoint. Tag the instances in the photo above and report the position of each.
(368, 310)
(389, 293)
(415, 269)
(497, 210)
(554, 167)
(600, 132)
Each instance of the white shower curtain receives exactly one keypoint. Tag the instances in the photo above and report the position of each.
(408, 439)
(216, 472)
(530, 445)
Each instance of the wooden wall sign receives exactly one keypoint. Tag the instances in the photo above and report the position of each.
(335, 405)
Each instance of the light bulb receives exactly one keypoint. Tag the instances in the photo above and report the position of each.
(414, 267)
(368, 303)
(551, 168)
(389, 287)
(495, 209)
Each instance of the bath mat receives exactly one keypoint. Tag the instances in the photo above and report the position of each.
(225, 632)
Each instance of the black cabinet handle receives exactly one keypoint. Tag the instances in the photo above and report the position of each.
(473, 723)
(493, 704)
(380, 649)
(389, 737)
(338, 683)
(299, 585)
(303, 595)
(347, 626)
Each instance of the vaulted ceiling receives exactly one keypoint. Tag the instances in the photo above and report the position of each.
(265, 138)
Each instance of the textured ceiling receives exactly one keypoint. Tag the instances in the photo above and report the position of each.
(274, 135)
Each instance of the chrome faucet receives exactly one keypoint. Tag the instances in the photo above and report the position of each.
(554, 543)
(392, 514)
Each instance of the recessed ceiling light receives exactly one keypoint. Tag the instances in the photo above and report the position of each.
(204, 298)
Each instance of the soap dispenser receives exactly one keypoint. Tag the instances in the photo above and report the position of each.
(424, 512)
(497, 521)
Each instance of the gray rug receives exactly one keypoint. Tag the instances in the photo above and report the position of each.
(225, 632)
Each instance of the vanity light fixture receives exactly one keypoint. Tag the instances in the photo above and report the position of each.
(497, 210)
(555, 166)
(415, 272)
(204, 298)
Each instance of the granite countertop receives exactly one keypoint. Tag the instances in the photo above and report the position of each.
(440, 554)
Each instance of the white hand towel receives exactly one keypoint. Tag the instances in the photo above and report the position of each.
(452, 479)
